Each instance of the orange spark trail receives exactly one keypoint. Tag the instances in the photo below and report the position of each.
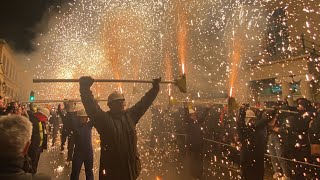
(234, 66)
(113, 50)
(168, 65)
(182, 36)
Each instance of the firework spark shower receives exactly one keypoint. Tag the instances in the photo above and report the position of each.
(133, 38)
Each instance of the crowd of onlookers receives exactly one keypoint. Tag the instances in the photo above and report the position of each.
(23, 137)
(24, 133)
(288, 137)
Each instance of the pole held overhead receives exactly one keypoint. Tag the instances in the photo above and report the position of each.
(280, 110)
(179, 82)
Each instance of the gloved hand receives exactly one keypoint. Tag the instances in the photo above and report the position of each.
(86, 81)
(156, 82)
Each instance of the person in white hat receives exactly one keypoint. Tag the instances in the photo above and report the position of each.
(117, 128)
(253, 138)
(194, 118)
(83, 151)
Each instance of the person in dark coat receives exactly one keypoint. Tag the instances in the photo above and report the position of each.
(296, 140)
(67, 130)
(15, 136)
(117, 128)
(54, 123)
(314, 134)
(252, 134)
(39, 136)
(194, 140)
(83, 152)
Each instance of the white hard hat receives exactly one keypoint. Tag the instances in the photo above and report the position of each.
(115, 96)
(250, 114)
(82, 113)
(191, 111)
(44, 111)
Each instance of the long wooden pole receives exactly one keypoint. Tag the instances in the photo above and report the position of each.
(98, 80)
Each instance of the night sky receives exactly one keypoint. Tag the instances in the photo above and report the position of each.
(19, 19)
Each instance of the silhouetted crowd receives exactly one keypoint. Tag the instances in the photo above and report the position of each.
(285, 138)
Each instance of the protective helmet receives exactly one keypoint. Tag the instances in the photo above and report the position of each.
(115, 96)
(82, 113)
(250, 114)
(44, 111)
(70, 106)
(192, 111)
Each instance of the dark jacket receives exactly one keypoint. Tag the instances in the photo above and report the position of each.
(67, 121)
(35, 138)
(295, 131)
(82, 139)
(12, 169)
(194, 139)
(314, 131)
(253, 139)
(119, 155)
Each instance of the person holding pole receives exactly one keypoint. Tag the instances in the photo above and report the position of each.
(117, 129)
(252, 135)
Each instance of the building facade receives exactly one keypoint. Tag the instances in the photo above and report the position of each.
(13, 79)
(288, 65)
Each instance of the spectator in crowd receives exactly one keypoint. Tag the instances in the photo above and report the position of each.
(83, 152)
(194, 140)
(15, 136)
(279, 166)
(68, 115)
(39, 135)
(296, 140)
(54, 123)
(314, 135)
(252, 135)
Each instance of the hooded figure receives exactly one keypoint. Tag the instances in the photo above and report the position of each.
(119, 158)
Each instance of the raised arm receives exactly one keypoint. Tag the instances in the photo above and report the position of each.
(266, 117)
(95, 113)
(138, 110)
(241, 124)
